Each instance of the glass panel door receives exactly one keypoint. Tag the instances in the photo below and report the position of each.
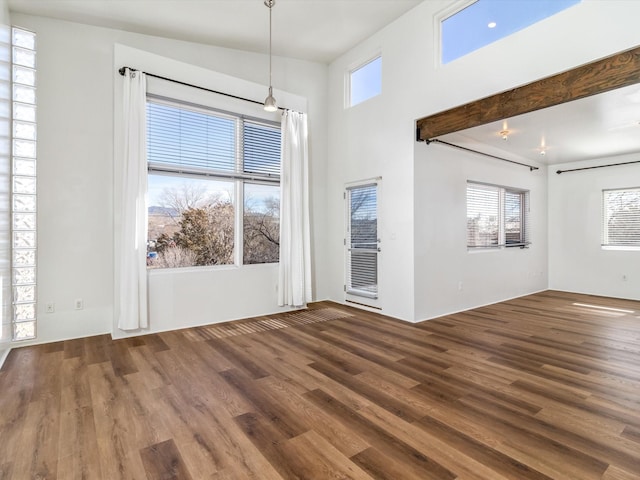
(362, 241)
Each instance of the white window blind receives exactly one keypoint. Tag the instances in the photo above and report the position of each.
(483, 215)
(186, 139)
(363, 241)
(177, 136)
(621, 218)
(261, 149)
(496, 216)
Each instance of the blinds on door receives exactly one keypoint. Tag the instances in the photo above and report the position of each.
(362, 268)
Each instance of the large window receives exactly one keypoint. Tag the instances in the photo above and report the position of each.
(621, 218)
(497, 216)
(213, 187)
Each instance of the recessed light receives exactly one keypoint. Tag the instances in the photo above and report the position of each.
(492, 24)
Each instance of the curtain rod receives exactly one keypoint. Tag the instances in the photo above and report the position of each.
(122, 70)
(435, 140)
(597, 166)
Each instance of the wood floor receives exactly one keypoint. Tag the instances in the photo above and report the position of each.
(544, 386)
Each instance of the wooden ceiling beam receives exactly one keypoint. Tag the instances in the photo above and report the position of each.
(617, 71)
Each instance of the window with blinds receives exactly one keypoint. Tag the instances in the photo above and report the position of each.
(362, 248)
(186, 139)
(621, 218)
(497, 216)
(210, 172)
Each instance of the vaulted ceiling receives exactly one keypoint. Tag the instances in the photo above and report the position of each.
(317, 30)
(321, 30)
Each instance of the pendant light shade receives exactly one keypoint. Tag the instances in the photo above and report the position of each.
(270, 104)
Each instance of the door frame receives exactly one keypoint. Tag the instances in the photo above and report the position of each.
(350, 297)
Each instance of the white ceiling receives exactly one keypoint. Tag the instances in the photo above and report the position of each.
(599, 126)
(321, 30)
(317, 30)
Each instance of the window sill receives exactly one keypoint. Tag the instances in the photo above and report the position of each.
(497, 248)
(208, 268)
(623, 248)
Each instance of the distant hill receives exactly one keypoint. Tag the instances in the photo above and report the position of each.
(164, 211)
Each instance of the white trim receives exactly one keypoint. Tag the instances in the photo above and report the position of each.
(440, 17)
(372, 300)
(354, 67)
(466, 309)
(4, 356)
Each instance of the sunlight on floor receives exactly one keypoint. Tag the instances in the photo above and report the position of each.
(607, 309)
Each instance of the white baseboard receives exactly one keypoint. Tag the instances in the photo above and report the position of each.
(4, 355)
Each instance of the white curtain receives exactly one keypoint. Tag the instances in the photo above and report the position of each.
(133, 312)
(294, 276)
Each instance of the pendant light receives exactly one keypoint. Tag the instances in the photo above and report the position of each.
(270, 102)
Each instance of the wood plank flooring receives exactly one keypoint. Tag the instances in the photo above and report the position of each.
(546, 386)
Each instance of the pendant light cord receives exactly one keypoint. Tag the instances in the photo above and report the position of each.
(270, 27)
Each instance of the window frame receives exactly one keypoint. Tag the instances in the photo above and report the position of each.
(353, 293)
(501, 215)
(349, 80)
(238, 176)
(24, 190)
(604, 231)
(461, 5)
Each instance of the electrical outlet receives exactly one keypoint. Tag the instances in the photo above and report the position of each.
(79, 304)
(51, 307)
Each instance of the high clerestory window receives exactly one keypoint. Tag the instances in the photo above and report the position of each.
(483, 22)
(365, 81)
(213, 187)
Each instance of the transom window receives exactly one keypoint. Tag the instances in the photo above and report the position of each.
(497, 216)
(621, 218)
(485, 21)
(213, 187)
(365, 81)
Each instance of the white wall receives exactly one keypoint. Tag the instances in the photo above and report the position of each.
(5, 181)
(577, 262)
(76, 103)
(423, 259)
(374, 139)
(423, 209)
(450, 278)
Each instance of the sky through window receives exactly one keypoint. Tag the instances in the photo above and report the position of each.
(486, 21)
